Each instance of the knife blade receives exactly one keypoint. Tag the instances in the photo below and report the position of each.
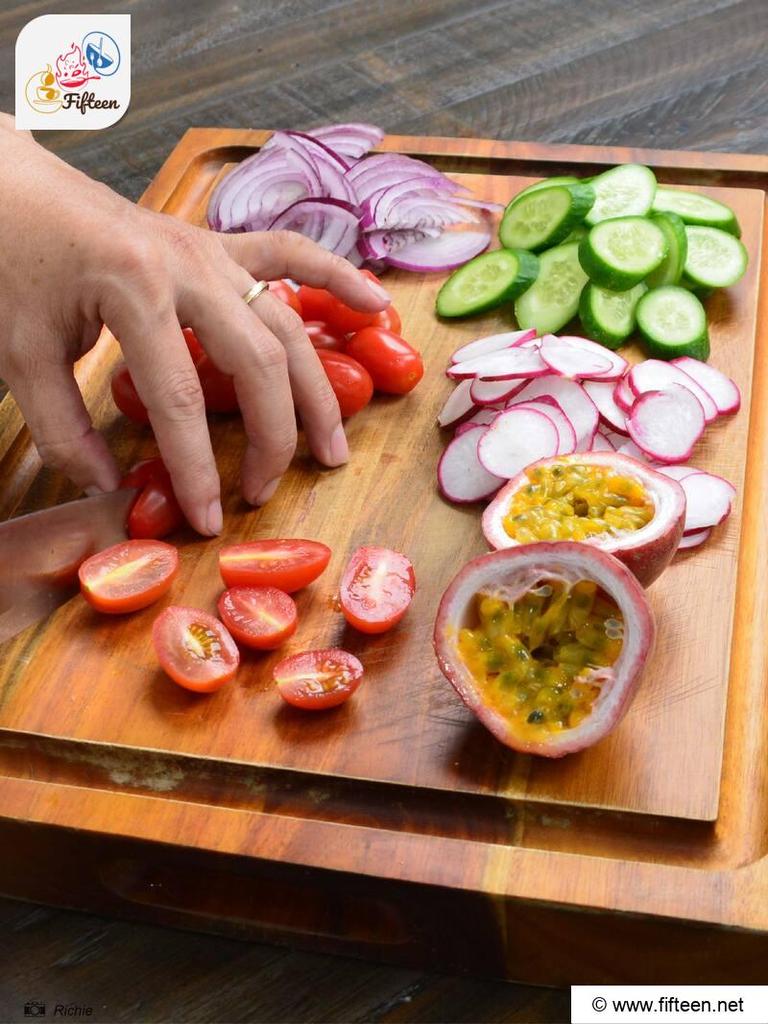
(40, 554)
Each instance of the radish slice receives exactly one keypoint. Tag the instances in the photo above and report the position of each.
(458, 405)
(656, 375)
(614, 439)
(624, 396)
(482, 418)
(619, 364)
(667, 424)
(573, 400)
(693, 540)
(573, 362)
(678, 472)
(630, 448)
(493, 343)
(600, 443)
(721, 389)
(564, 427)
(489, 392)
(515, 439)
(601, 393)
(708, 500)
(460, 475)
(505, 365)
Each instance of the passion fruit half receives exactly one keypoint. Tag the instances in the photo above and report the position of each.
(545, 643)
(604, 499)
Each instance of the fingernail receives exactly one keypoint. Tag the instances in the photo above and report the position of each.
(266, 492)
(381, 293)
(93, 490)
(215, 518)
(339, 448)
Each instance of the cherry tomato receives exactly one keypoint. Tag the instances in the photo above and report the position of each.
(155, 513)
(389, 319)
(319, 304)
(126, 397)
(288, 565)
(218, 388)
(322, 336)
(376, 589)
(316, 680)
(394, 365)
(194, 649)
(350, 381)
(315, 303)
(196, 350)
(283, 291)
(259, 617)
(128, 576)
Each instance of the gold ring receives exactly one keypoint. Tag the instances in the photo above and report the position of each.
(254, 291)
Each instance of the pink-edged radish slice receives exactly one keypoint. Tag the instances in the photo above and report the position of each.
(460, 476)
(667, 424)
(564, 427)
(493, 343)
(628, 447)
(458, 405)
(623, 396)
(482, 418)
(600, 443)
(489, 392)
(678, 472)
(570, 361)
(693, 540)
(708, 500)
(614, 438)
(619, 364)
(573, 400)
(506, 365)
(721, 389)
(601, 393)
(656, 375)
(515, 439)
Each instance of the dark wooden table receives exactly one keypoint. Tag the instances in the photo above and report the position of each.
(663, 73)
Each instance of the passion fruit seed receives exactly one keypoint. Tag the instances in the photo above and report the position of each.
(533, 659)
(575, 501)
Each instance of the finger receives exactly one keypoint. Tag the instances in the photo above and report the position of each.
(239, 344)
(272, 254)
(312, 392)
(61, 428)
(168, 385)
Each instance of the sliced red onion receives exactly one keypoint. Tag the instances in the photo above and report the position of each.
(450, 250)
(354, 139)
(409, 205)
(483, 204)
(379, 245)
(331, 223)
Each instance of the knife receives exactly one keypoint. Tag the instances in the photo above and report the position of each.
(40, 554)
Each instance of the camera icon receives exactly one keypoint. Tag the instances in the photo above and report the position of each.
(34, 1008)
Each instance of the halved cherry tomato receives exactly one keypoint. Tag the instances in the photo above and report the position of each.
(322, 336)
(155, 513)
(376, 589)
(126, 397)
(288, 565)
(389, 319)
(394, 365)
(128, 576)
(259, 617)
(194, 649)
(350, 381)
(316, 680)
(283, 291)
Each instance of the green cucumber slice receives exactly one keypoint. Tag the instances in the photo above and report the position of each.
(545, 217)
(673, 322)
(715, 259)
(609, 317)
(563, 179)
(671, 269)
(623, 191)
(487, 281)
(617, 254)
(553, 298)
(694, 208)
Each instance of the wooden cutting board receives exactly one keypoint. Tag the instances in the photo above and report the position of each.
(367, 828)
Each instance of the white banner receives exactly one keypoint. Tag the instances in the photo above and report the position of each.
(669, 1004)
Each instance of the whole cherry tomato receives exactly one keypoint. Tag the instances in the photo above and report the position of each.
(389, 319)
(350, 381)
(394, 365)
(319, 304)
(218, 388)
(283, 291)
(155, 513)
(322, 336)
(126, 397)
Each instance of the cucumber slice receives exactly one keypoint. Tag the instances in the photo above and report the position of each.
(609, 317)
(671, 269)
(553, 298)
(487, 281)
(623, 191)
(545, 217)
(577, 234)
(715, 259)
(618, 254)
(673, 322)
(694, 208)
(564, 179)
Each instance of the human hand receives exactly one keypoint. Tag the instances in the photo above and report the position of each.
(79, 256)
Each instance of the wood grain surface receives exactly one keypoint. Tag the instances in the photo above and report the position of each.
(670, 75)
